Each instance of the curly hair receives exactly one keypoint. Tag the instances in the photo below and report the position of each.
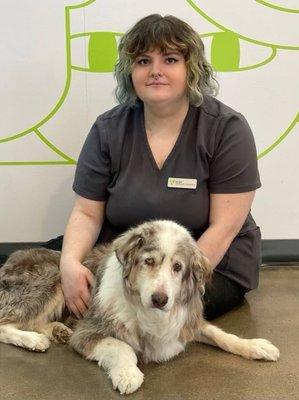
(164, 33)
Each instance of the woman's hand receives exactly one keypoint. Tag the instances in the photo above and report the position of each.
(81, 234)
(76, 283)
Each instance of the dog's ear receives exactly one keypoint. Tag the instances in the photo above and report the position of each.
(200, 266)
(198, 272)
(126, 247)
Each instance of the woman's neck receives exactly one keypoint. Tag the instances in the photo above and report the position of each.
(168, 118)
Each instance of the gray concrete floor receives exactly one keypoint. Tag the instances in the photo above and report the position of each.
(202, 372)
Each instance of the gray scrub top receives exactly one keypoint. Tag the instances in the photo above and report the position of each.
(215, 147)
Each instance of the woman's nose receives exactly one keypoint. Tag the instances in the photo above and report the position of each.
(156, 75)
(156, 70)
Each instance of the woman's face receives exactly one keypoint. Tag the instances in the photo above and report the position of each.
(160, 78)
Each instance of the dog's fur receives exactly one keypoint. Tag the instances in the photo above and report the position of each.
(146, 303)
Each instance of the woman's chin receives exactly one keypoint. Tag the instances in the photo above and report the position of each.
(162, 101)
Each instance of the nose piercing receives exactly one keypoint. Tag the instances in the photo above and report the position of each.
(157, 75)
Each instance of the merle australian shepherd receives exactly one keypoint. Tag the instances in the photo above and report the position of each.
(146, 303)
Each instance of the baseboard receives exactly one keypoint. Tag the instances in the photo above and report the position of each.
(283, 251)
(8, 248)
(280, 251)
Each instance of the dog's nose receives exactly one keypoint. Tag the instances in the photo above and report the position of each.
(159, 299)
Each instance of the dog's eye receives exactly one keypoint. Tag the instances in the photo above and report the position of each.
(149, 261)
(177, 266)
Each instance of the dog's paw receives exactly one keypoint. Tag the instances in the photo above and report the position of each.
(126, 379)
(34, 342)
(262, 349)
(61, 333)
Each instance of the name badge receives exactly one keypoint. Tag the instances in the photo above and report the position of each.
(182, 183)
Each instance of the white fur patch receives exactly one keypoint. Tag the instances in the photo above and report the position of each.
(111, 293)
(120, 362)
(253, 349)
(29, 340)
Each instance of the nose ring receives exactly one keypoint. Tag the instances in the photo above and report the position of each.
(157, 75)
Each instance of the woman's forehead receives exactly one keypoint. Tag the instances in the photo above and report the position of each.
(161, 49)
(166, 51)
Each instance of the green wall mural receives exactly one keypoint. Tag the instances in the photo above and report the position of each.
(276, 7)
(225, 56)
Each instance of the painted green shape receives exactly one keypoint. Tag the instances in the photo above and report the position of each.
(244, 68)
(246, 38)
(274, 49)
(225, 52)
(278, 8)
(54, 148)
(60, 100)
(102, 52)
(66, 160)
(280, 138)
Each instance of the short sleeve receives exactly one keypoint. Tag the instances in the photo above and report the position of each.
(233, 167)
(93, 174)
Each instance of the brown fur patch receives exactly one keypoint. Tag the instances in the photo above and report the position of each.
(128, 245)
(96, 259)
(52, 311)
(61, 333)
(85, 337)
(31, 276)
(198, 270)
(194, 320)
(25, 261)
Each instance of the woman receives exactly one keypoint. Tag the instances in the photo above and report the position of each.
(169, 150)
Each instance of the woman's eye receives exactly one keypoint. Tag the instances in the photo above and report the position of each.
(149, 261)
(143, 61)
(177, 266)
(171, 60)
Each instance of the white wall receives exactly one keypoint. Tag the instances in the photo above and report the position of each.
(50, 94)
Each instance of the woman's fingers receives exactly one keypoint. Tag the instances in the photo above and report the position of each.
(78, 308)
(79, 304)
(85, 295)
(76, 282)
(90, 278)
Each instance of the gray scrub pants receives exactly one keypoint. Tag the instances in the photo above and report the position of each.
(221, 295)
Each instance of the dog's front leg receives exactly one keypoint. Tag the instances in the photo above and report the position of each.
(253, 349)
(120, 362)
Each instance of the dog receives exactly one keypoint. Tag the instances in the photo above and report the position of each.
(146, 303)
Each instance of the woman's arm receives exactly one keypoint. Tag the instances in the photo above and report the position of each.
(81, 234)
(227, 216)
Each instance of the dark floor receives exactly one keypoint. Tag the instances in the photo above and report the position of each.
(202, 372)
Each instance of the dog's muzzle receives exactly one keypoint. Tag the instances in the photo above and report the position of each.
(159, 300)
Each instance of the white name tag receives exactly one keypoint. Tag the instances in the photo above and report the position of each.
(182, 183)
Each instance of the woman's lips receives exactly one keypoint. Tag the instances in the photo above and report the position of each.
(156, 84)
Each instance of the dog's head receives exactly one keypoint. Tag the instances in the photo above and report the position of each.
(162, 264)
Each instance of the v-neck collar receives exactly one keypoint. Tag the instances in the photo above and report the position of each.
(175, 146)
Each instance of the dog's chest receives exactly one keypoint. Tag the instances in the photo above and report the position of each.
(159, 335)
(153, 334)
(154, 349)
